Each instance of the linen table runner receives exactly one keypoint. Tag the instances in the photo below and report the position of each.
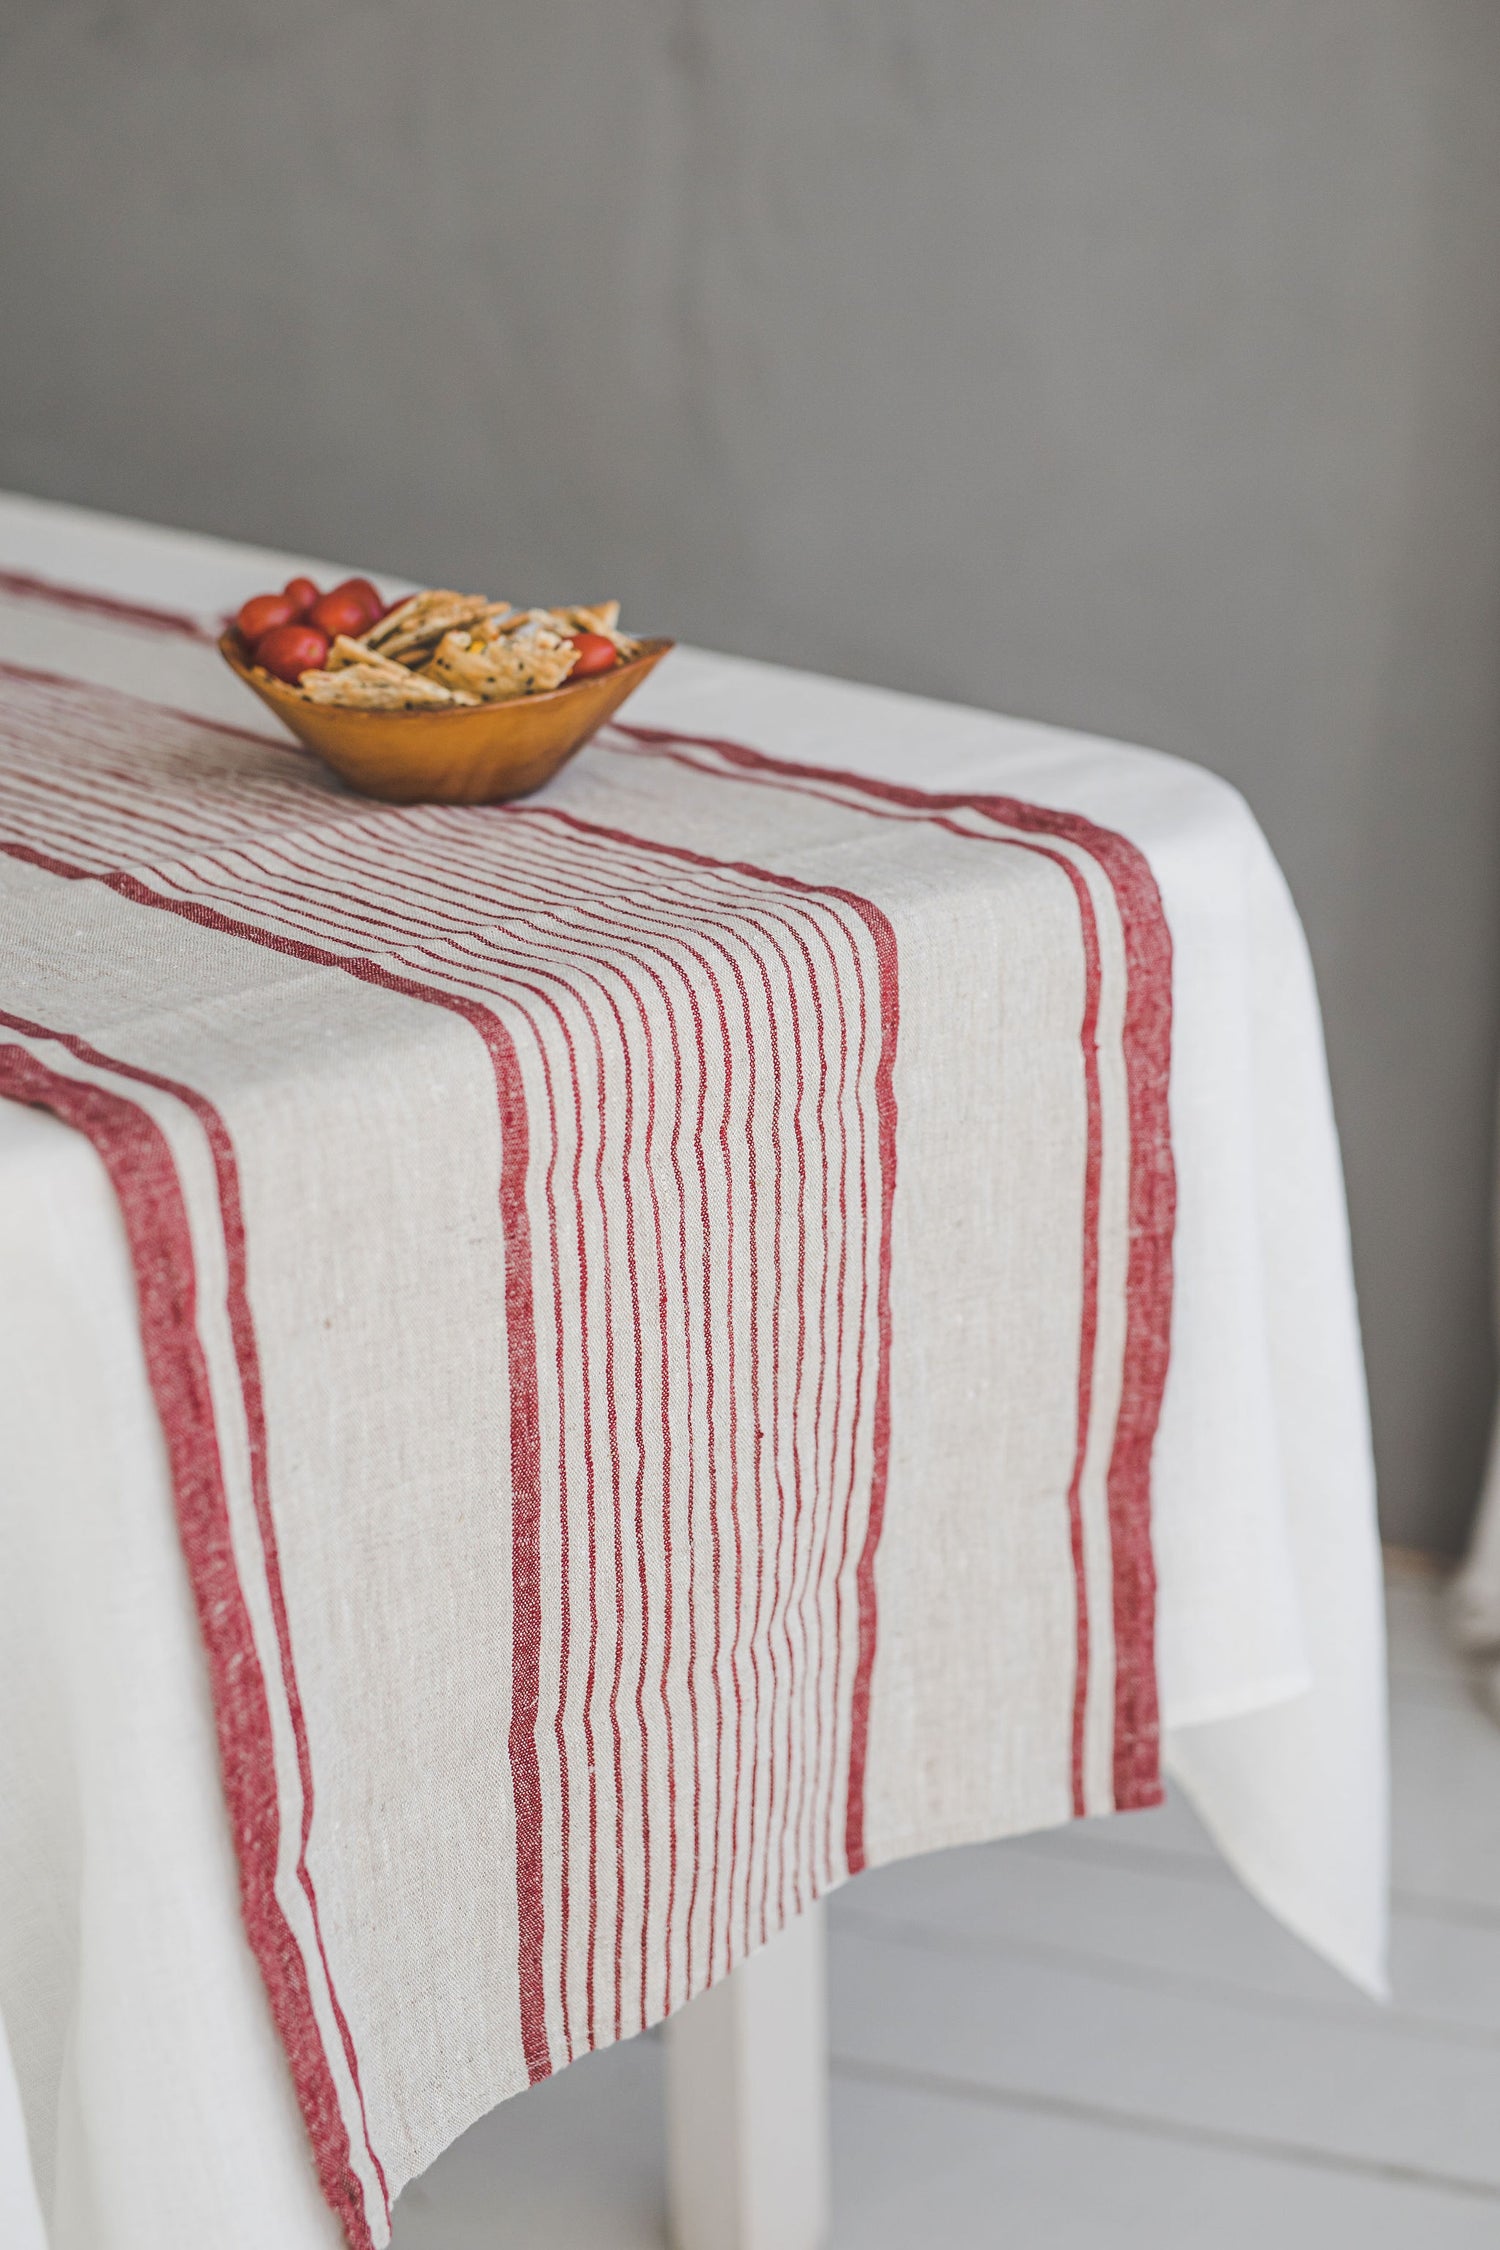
(658, 1300)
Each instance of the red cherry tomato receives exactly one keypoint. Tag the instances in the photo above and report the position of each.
(360, 589)
(262, 613)
(290, 650)
(301, 593)
(595, 654)
(340, 613)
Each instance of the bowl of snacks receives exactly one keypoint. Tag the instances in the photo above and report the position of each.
(439, 698)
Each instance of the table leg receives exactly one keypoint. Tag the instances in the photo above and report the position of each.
(747, 2103)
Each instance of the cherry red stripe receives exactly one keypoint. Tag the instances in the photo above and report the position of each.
(17, 585)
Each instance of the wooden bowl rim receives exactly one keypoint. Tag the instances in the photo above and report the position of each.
(232, 649)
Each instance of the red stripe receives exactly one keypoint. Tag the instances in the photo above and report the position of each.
(18, 585)
(1147, 1043)
(884, 941)
(530, 1879)
(139, 1162)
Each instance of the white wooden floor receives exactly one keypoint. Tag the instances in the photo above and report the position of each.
(1095, 2038)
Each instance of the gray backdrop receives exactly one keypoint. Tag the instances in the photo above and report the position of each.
(1129, 363)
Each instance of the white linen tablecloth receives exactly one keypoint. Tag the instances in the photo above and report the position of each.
(157, 2100)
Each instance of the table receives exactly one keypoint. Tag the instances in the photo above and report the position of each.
(157, 2100)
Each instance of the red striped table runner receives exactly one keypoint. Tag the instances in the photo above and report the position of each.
(658, 1301)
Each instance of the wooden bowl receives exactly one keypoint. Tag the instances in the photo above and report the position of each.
(471, 755)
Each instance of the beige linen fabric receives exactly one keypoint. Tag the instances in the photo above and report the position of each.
(648, 1440)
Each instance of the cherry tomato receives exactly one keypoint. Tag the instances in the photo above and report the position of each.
(301, 593)
(340, 613)
(262, 613)
(595, 654)
(360, 589)
(290, 650)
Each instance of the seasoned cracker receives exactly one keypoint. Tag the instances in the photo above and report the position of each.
(425, 620)
(367, 687)
(527, 662)
(346, 653)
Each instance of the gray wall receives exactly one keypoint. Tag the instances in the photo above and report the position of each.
(1131, 363)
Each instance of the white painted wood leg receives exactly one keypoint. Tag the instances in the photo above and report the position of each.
(747, 2103)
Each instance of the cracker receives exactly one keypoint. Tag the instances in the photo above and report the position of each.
(529, 662)
(367, 687)
(346, 652)
(423, 623)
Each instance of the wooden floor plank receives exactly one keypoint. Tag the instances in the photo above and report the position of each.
(1153, 1919)
(918, 2170)
(1185, 2059)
